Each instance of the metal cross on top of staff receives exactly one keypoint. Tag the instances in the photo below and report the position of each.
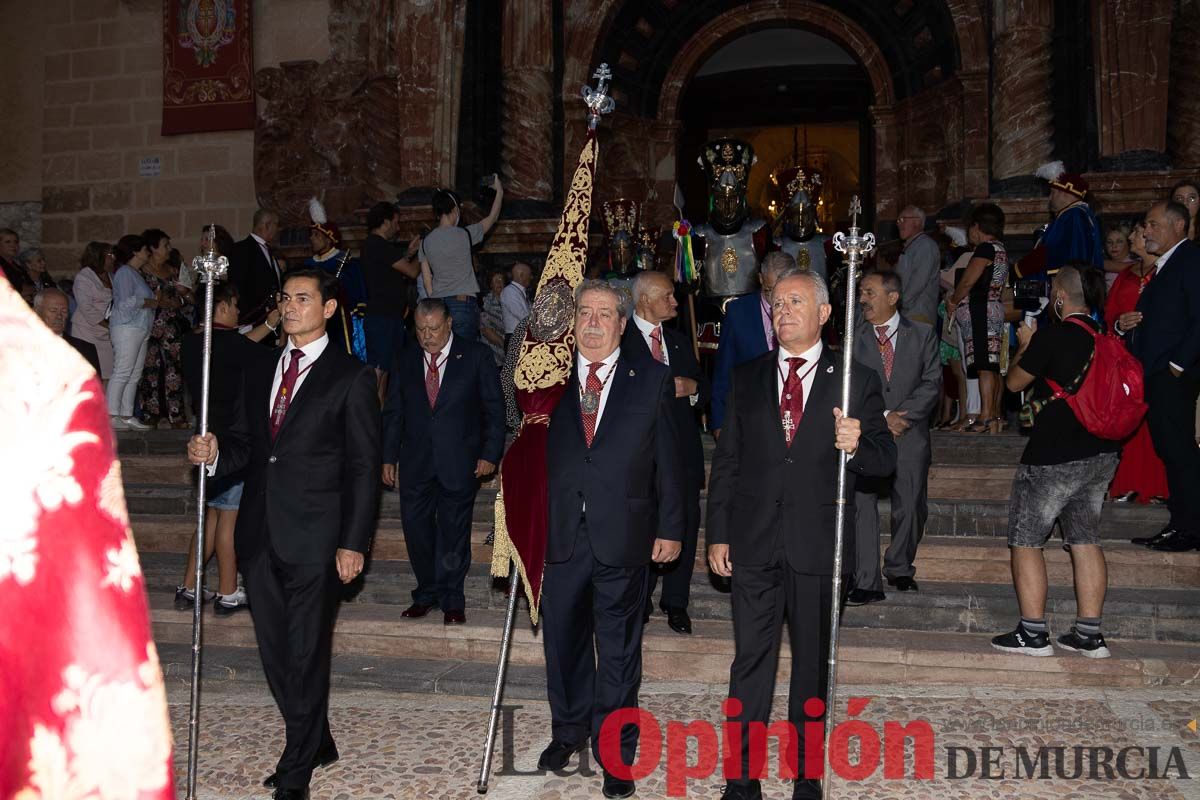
(855, 246)
(598, 101)
(209, 268)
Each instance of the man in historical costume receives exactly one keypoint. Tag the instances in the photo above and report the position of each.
(622, 234)
(83, 711)
(647, 336)
(308, 439)
(1074, 232)
(733, 242)
(904, 355)
(347, 329)
(799, 190)
(771, 500)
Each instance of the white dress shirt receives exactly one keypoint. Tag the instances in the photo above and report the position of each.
(646, 329)
(808, 370)
(514, 306)
(603, 374)
(262, 245)
(443, 356)
(893, 330)
(312, 351)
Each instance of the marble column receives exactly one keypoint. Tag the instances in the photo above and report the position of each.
(1131, 40)
(887, 163)
(527, 52)
(1183, 110)
(1022, 120)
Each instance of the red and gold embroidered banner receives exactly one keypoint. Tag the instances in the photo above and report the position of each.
(208, 66)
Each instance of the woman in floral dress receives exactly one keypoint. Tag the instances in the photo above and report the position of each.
(161, 390)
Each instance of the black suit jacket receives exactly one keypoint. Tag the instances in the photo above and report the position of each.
(465, 425)
(630, 478)
(255, 278)
(763, 494)
(1170, 305)
(682, 363)
(87, 350)
(316, 487)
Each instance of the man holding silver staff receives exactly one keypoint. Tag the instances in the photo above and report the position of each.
(771, 507)
(308, 438)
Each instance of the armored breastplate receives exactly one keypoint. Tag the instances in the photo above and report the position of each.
(809, 255)
(730, 262)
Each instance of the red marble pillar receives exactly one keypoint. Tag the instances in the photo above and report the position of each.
(1131, 44)
(887, 162)
(975, 134)
(1183, 110)
(1022, 127)
(528, 57)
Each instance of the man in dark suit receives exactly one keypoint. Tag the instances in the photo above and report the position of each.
(1164, 333)
(616, 504)
(655, 303)
(444, 423)
(254, 270)
(746, 332)
(771, 500)
(308, 440)
(904, 355)
(52, 307)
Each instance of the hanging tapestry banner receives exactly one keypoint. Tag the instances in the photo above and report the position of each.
(208, 66)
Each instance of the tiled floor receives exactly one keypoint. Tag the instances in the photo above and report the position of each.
(429, 746)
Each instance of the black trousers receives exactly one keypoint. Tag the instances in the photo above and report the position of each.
(592, 634)
(677, 575)
(437, 534)
(1172, 419)
(293, 607)
(763, 596)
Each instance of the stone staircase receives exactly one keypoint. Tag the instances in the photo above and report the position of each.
(937, 636)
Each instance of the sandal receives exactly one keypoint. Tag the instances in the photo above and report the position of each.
(977, 425)
(995, 426)
(965, 425)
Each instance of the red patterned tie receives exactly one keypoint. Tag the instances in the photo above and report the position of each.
(287, 388)
(791, 405)
(593, 386)
(432, 383)
(656, 348)
(886, 352)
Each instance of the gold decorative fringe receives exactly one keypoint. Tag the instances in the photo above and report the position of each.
(504, 555)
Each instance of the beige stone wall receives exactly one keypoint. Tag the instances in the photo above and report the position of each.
(102, 116)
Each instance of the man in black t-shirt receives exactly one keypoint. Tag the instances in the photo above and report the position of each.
(390, 270)
(1064, 474)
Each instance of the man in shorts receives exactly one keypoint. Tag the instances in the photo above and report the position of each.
(1064, 475)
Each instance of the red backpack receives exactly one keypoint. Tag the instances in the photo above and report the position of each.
(1109, 400)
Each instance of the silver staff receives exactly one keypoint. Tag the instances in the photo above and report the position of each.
(855, 246)
(210, 268)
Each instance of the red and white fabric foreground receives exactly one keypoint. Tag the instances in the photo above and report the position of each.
(83, 712)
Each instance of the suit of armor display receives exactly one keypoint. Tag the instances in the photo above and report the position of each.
(799, 190)
(733, 242)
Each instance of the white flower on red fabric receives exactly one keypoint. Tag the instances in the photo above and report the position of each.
(123, 565)
(111, 498)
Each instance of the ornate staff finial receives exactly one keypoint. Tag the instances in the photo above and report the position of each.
(598, 101)
(853, 244)
(209, 266)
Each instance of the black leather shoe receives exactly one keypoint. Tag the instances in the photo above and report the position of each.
(455, 617)
(904, 584)
(1158, 538)
(806, 790)
(417, 610)
(679, 621)
(291, 794)
(861, 597)
(323, 758)
(742, 791)
(557, 754)
(1177, 542)
(615, 787)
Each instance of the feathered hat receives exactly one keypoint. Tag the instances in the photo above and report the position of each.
(321, 223)
(1058, 177)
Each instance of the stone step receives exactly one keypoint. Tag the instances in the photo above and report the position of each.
(865, 657)
(939, 558)
(1166, 615)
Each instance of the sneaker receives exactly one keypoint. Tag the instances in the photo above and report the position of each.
(1024, 643)
(118, 424)
(1090, 646)
(227, 604)
(135, 424)
(185, 597)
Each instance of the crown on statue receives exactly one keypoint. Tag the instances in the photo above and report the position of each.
(793, 180)
(620, 216)
(722, 157)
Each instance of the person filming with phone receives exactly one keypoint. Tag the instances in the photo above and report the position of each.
(446, 267)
